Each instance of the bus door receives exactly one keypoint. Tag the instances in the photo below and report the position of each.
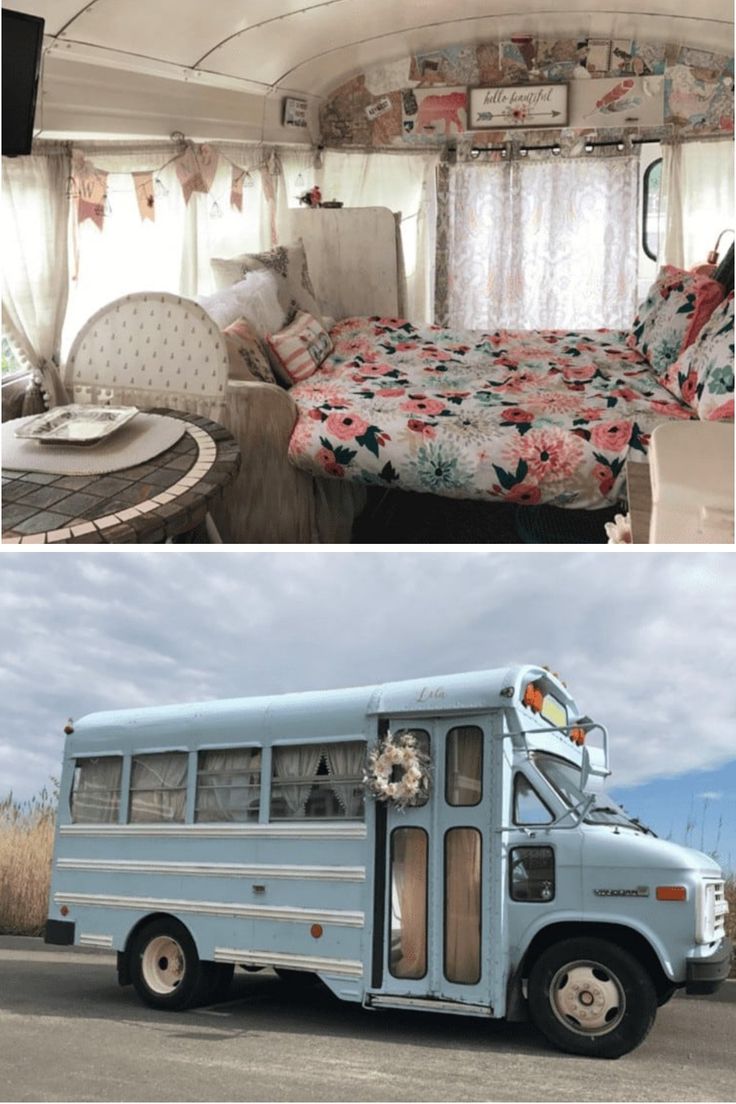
(433, 902)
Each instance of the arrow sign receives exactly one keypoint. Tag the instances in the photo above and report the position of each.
(511, 106)
(511, 112)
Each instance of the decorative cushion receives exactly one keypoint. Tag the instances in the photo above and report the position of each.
(301, 347)
(672, 315)
(287, 263)
(248, 357)
(703, 374)
(254, 298)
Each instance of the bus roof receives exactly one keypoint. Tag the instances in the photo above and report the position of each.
(309, 713)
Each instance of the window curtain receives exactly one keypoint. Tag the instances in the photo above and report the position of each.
(228, 785)
(464, 765)
(409, 903)
(462, 915)
(295, 762)
(346, 761)
(158, 788)
(96, 795)
(401, 182)
(547, 244)
(171, 252)
(35, 268)
(698, 195)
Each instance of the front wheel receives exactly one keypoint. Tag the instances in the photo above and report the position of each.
(591, 997)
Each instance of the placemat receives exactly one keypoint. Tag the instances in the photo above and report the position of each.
(146, 436)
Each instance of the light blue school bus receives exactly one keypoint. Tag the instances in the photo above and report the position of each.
(438, 844)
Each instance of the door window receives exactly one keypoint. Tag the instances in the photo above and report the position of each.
(462, 905)
(464, 765)
(408, 947)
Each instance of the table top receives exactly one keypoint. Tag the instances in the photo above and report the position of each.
(163, 497)
(639, 484)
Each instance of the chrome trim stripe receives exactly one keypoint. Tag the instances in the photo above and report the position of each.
(214, 908)
(88, 940)
(343, 966)
(223, 870)
(431, 1005)
(298, 830)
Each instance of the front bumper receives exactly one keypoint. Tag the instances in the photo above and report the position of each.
(705, 975)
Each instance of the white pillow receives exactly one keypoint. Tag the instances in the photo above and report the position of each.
(255, 298)
(288, 266)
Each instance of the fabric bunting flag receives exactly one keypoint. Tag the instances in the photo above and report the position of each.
(143, 183)
(236, 188)
(196, 169)
(91, 191)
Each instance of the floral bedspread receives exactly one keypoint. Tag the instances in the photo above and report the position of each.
(544, 416)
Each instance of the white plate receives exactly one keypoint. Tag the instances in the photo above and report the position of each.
(77, 424)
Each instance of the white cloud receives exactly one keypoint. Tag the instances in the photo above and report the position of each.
(644, 641)
(711, 795)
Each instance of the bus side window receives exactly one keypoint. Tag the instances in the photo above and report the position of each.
(318, 781)
(464, 766)
(95, 796)
(158, 788)
(228, 785)
(528, 805)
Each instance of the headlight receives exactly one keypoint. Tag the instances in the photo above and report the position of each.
(711, 912)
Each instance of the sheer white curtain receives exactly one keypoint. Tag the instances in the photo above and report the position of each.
(543, 244)
(158, 787)
(295, 763)
(345, 761)
(35, 263)
(402, 182)
(172, 252)
(698, 193)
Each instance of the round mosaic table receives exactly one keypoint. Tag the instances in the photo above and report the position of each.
(165, 497)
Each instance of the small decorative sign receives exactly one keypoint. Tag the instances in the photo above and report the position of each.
(295, 112)
(618, 102)
(525, 105)
(380, 107)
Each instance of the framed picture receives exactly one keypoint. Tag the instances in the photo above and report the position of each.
(295, 112)
(434, 112)
(617, 102)
(523, 105)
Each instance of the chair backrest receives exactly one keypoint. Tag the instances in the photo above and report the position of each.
(150, 349)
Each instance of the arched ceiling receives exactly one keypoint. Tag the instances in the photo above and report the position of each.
(310, 46)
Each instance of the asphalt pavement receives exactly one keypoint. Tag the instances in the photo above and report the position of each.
(68, 1033)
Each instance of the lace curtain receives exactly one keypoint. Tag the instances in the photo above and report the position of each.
(295, 763)
(346, 761)
(698, 191)
(549, 244)
(35, 268)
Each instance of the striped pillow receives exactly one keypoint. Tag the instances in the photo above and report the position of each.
(300, 347)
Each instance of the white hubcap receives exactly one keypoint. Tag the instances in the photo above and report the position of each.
(163, 965)
(587, 998)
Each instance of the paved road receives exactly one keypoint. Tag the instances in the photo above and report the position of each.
(67, 1032)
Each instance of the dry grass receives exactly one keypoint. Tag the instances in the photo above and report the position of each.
(26, 845)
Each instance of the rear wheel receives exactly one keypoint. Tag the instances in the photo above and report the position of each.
(591, 997)
(165, 968)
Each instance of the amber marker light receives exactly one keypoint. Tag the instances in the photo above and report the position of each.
(316, 931)
(64, 910)
(528, 698)
(671, 893)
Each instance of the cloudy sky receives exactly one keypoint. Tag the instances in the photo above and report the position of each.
(645, 643)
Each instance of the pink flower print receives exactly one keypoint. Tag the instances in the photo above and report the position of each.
(405, 346)
(689, 387)
(590, 413)
(554, 402)
(516, 414)
(345, 426)
(604, 476)
(353, 346)
(373, 369)
(325, 456)
(612, 436)
(581, 372)
(671, 409)
(390, 392)
(317, 415)
(524, 494)
(725, 410)
(626, 393)
(550, 453)
(420, 404)
(421, 427)
(522, 381)
(336, 469)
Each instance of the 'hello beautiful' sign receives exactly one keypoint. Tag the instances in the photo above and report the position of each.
(518, 106)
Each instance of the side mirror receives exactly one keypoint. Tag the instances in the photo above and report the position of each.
(585, 770)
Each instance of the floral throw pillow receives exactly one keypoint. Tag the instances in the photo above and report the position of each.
(248, 358)
(301, 347)
(672, 315)
(703, 375)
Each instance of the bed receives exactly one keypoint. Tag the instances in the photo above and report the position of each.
(538, 417)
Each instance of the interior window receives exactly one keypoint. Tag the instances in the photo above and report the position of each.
(652, 191)
(318, 780)
(462, 905)
(464, 765)
(11, 362)
(228, 785)
(528, 805)
(95, 797)
(408, 953)
(158, 788)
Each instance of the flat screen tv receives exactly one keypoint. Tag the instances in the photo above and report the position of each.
(22, 41)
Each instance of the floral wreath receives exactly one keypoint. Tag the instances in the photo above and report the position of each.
(401, 751)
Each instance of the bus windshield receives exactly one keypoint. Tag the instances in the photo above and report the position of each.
(565, 778)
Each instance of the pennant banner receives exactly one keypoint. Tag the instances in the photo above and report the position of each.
(236, 188)
(196, 169)
(91, 186)
(143, 182)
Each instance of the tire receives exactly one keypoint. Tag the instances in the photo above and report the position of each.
(165, 968)
(666, 995)
(591, 997)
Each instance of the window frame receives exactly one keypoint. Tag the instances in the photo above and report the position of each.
(446, 901)
(90, 757)
(532, 847)
(464, 804)
(198, 773)
(324, 780)
(645, 206)
(427, 858)
(529, 823)
(158, 789)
